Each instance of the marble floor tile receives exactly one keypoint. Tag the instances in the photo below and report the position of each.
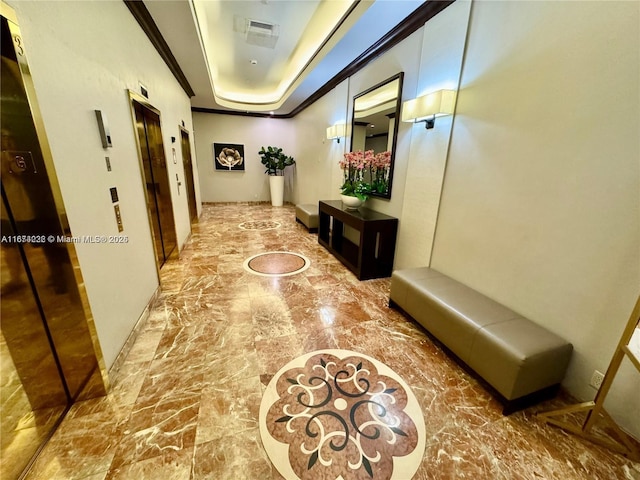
(241, 362)
(154, 429)
(184, 403)
(172, 465)
(82, 446)
(238, 456)
(229, 408)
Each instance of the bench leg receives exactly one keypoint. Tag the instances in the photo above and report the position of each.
(511, 406)
(311, 230)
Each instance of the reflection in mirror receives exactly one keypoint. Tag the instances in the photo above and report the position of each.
(373, 127)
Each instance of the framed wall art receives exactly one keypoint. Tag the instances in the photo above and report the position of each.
(228, 156)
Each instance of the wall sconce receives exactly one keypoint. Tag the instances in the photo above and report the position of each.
(336, 131)
(428, 107)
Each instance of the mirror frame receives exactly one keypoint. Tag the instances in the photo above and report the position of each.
(399, 76)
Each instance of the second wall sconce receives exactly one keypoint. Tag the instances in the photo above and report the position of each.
(428, 107)
(336, 131)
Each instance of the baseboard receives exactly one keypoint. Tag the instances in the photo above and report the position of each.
(135, 332)
(186, 242)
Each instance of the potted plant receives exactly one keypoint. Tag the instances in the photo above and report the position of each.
(354, 190)
(275, 162)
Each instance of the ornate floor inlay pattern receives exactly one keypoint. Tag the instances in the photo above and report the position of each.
(276, 264)
(259, 225)
(341, 414)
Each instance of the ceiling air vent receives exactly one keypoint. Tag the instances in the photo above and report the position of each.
(263, 34)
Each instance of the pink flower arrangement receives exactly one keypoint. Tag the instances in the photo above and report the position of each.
(380, 172)
(365, 173)
(354, 165)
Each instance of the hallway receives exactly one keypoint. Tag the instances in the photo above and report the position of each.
(185, 401)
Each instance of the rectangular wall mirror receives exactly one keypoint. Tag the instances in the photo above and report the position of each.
(373, 127)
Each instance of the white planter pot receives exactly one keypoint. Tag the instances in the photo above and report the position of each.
(276, 186)
(351, 203)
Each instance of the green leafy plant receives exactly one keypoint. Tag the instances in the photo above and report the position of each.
(356, 188)
(274, 160)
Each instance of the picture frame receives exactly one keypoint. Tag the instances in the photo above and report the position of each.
(228, 157)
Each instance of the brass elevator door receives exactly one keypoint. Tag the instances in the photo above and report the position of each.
(34, 396)
(156, 178)
(46, 351)
(188, 174)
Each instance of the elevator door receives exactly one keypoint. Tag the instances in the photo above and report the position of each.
(188, 174)
(156, 179)
(33, 392)
(46, 350)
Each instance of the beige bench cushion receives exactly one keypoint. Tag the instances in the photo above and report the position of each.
(513, 354)
(447, 308)
(307, 214)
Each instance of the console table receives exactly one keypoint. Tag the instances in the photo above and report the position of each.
(372, 255)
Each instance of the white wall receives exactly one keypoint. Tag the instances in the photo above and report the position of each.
(404, 57)
(541, 205)
(252, 184)
(318, 175)
(84, 56)
(442, 49)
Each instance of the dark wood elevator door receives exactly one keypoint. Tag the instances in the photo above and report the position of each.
(188, 174)
(156, 179)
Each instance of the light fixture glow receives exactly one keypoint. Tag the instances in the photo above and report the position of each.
(428, 107)
(336, 131)
(218, 21)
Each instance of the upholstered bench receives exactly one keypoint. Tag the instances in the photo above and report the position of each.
(308, 216)
(521, 360)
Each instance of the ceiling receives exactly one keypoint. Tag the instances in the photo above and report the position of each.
(269, 56)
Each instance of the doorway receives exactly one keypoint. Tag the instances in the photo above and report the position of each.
(188, 174)
(156, 178)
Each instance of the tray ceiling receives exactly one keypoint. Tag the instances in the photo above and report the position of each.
(269, 55)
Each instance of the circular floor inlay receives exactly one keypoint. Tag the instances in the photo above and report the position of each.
(338, 414)
(259, 225)
(276, 264)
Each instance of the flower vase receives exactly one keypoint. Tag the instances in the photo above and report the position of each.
(351, 203)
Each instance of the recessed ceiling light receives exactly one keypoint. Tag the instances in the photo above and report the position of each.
(253, 61)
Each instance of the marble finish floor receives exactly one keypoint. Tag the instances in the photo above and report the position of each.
(341, 414)
(185, 402)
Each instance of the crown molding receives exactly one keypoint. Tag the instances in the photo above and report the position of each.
(413, 22)
(239, 113)
(144, 19)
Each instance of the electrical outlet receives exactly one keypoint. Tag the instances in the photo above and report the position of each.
(596, 379)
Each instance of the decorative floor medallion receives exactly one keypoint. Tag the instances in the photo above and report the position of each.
(276, 264)
(259, 225)
(337, 414)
